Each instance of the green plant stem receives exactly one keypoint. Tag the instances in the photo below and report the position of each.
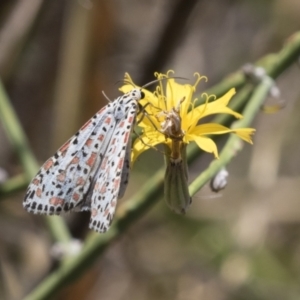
(95, 244)
(14, 184)
(20, 144)
(16, 135)
(134, 208)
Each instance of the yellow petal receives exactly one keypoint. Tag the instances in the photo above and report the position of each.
(214, 128)
(210, 128)
(144, 142)
(205, 143)
(216, 107)
(126, 88)
(176, 92)
(227, 97)
(245, 134)
(148, 120)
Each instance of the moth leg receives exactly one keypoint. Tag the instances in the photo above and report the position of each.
(150, 146)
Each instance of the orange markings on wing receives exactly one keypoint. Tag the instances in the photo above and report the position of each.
(86, 124)
(107, 120)
(101, 137)
(103, 189)
(36, 181)
(89, 142)
(80, 181)
(130, 120)
(104, 162)
(61, 177)
(121, 124)
(75, 160)
(48, 164)
(56, 201)
(126, 137)
(120, 163)
(38, 192)
(64, 147)
(116, 183)
(94, 212)
(113, 151)
(75, 197)
(113, 203)
(91, 160)
(106, 212)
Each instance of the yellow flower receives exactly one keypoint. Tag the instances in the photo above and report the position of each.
(171, 99)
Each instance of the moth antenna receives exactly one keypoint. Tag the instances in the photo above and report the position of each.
(161, 79)
(106, 97)
(151, 82)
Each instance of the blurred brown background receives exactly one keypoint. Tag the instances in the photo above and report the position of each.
(55, 59)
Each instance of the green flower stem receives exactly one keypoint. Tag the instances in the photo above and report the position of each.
(234, 143)
(20, 144)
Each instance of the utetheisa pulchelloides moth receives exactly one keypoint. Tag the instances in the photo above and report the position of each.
(91, 170)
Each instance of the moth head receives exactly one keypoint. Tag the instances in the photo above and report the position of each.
(137, 94)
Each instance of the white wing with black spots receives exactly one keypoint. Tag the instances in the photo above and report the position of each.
(107, 188)
(64, 179)
(87, 171)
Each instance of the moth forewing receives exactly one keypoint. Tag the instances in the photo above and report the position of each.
(107, 188)
(64, 179)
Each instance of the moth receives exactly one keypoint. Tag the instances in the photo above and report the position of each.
(91, 170)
